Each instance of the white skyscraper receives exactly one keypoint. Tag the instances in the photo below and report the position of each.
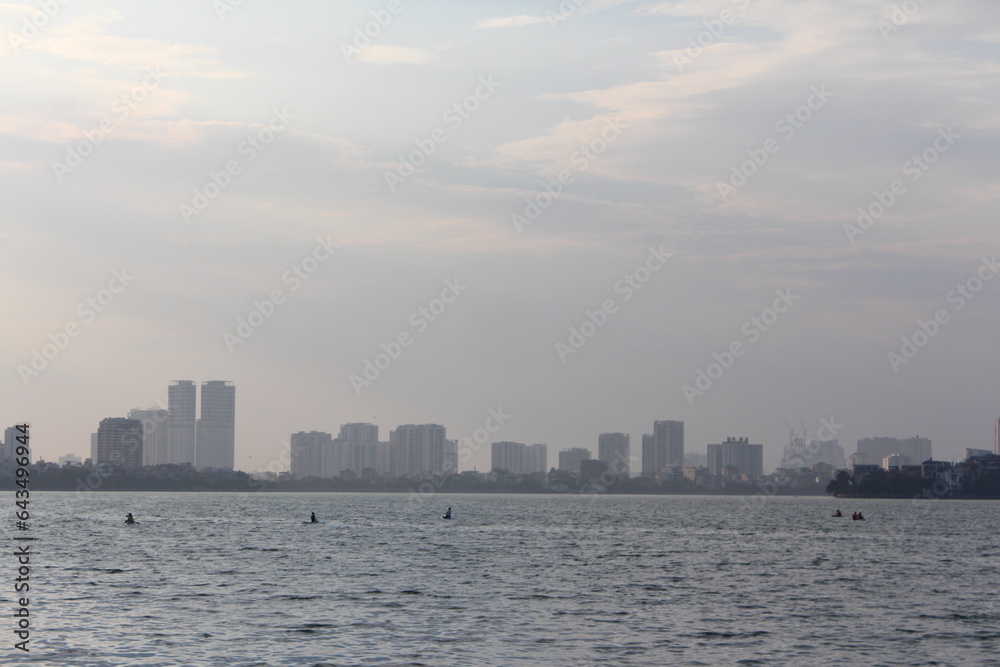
(311, 454)
(181, 422)
(355, 449)
(663, 448)
(9, 444)
(507, 456)
(613, 450)
(536, 459)
(119, 442)
(155, 441)
(570, 459)
(216, 432)
(736, 455)
(359, 432)
(419, 450)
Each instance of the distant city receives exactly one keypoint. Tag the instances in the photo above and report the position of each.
(175, 436)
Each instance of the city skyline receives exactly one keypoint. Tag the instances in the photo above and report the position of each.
(176, 434)
(328, 289)
(630, 215)
(428, 448)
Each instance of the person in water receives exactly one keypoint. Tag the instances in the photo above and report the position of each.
(838, 513)
(129, 518)
(447, 514)
(860, 517)
(312, 519)
(854, 516)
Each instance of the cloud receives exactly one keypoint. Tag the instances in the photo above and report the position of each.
(380, 54)
(509, 22)
(87, 39)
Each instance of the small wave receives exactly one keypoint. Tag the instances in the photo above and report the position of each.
(300, 597)
(711, 634)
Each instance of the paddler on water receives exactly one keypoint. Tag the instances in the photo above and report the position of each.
(312, 519)
(129, 518)
(837, 513)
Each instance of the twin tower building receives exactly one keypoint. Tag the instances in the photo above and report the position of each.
(175, 435)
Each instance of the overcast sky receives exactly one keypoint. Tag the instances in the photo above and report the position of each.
(676, 169)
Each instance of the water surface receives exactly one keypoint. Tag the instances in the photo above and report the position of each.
(239, 579)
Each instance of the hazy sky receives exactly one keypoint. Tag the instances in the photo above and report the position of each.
(676, 169)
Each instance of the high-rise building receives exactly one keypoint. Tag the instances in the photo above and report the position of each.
(648, 454)
(613, 449)
(736, 456)
(355, 449)
(570, 459)
(536, 459)
(517, 458)
(996, 437)
(310, 453)
(155, 443)
(420, 450)
(9, 450)
(216, 432)
(181, 423)
(359, 432)
(665, 448)
(507, 456)
(119, 442)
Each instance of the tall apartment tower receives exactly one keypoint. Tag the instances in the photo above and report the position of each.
(420, 449)
(216, 434)
(155, 443)
(665, 448)
(648, 454)
(736, 455)
(507, 456)
(310, 453)
(536, 458)
(613, 450)
(7, 455)
(571, 459)
(181, 423)
(359, 432)
(356, 449)
(119, 442)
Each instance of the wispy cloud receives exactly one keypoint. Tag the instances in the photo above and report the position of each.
(87, 39)
(381, 54)
(509, 22)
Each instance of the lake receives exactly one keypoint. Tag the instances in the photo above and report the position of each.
(239, 579)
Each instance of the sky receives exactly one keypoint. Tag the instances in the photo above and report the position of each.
(581, 216)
